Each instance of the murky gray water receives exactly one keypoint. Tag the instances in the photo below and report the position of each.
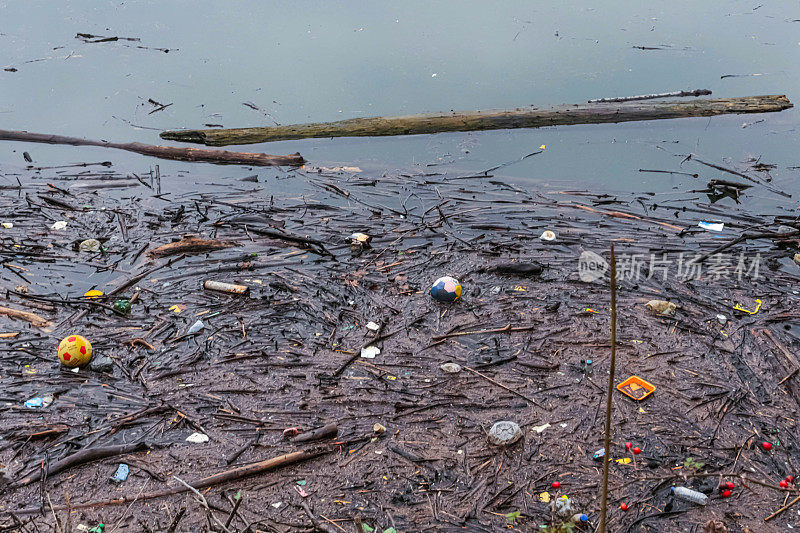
(316, 61)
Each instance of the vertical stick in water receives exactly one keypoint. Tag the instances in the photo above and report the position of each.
(606, 456)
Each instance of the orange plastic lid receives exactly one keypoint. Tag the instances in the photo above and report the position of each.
(636, 388)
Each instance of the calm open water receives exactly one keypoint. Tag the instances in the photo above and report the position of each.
(318, 61)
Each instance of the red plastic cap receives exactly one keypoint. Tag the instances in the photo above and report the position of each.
(730, 485)
(766, 445)
(783, 484)
(726, 494)
(556, 485)
(637, 450)
(628, 445)
(790, 479)
(623, 506)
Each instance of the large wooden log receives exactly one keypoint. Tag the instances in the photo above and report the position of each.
(523, 117)
(219, 157)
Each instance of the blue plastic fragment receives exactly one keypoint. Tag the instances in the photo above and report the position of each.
(34, 402)
(121, 474)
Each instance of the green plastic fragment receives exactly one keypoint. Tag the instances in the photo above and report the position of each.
(122, 306)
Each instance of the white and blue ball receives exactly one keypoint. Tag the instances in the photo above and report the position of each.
(446, 289)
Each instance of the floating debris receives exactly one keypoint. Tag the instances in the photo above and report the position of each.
(89, 245)
(548, 235)
(74, 351)
(446, 289)
(662, 307)
(197, 438)
(450, 368)
(369, 352)
(505, 433)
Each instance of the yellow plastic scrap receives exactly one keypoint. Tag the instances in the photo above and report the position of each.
(94, 293)
(754, 311)
(544, 497)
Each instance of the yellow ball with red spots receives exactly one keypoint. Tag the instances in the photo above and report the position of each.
(75, 351)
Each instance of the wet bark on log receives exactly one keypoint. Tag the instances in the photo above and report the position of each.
(190, 245)
(523, 117)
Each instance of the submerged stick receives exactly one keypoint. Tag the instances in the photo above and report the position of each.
(512, 391)
(219, 157)
(328, 430)
(83, 456)
(744, 237)
(523, 117)
(190, 245)
(693, 157)
(782, 509)
(216, 479)
(27, 316)
(613, 273)
(696, 92)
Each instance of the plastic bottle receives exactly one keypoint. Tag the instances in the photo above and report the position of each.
(690, 495)
(588, 369)
(580, 518)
